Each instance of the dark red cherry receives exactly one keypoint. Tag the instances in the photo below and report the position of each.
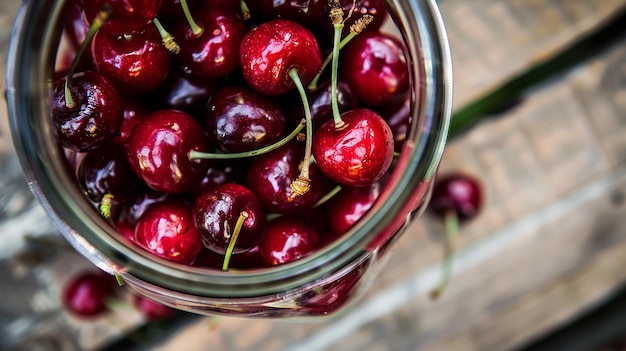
(309, 13)
(214, 52)
(320, 103)
(135, 109)
(270, 176)
(272, 49)
(332, 296)
(147, 197)
(97, 113)
(225, 171)
(185, 92)
(172, 9)
(216, 213)
(240, 119)
(398, 116)
(136, 63)
(358, 153)
(167, 230)
(459, 193)
(86, 293)
(158, 148)
(127, 16)
(286, 239)
(105, 171)
(152, 310)
(349, 205)
(375, 66)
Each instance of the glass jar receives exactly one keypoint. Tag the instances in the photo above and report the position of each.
(320, 284)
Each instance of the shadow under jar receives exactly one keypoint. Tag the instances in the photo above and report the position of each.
(320, 284)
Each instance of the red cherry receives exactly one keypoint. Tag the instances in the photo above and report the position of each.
(167, 230)
(272, 49)
(240, 119)
(459, 193)
(214, 52)
(152, 310)
(97, 113)
(287, 239)
(158, 148)
(86, 293)
(185, 92)
(136, 63)
(375, 66)
(216, 213)
(358, 153)
(135, 110)
(349, 205)
(127, 16)
(270, 176)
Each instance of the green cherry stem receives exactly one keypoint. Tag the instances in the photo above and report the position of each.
(245, 10)
(339, 123)
(101, 18)
(355, 29)
(233, 239)
(451, 227)
(166, 37)
(195, 154)
(302, 183)
(195, 28)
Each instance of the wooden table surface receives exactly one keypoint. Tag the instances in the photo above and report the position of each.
(548, 246)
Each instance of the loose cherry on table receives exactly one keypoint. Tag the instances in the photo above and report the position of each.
(86, 293)
(456, 198)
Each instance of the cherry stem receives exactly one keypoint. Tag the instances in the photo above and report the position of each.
(302, 183)
(119, 279)
(105, 205)
(233, 239)
(451, 224)
(167, 38)
(355, 29)
(339, 123)
(328, 196)
(195, 28)
(195, 154)
(101, 18)
(245, 10)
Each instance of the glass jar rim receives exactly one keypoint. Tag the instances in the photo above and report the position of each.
(33, 47)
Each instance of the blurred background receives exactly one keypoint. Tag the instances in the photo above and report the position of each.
(539, 117)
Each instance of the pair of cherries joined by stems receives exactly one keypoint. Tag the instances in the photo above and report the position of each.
(211, 138)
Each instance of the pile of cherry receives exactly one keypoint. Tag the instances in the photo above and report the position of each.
(230, 134)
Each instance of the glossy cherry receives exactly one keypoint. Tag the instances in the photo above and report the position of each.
(158, 148)
(240, 119)
(357, 153)
(349, 205)
(136, 63)
(214, 51)
(94, 118)
(152, 310)
(105, 176)
(167, 230)
(184, 91)
(286, 239)
(457, 197)
(270, 51)
(216, 213)
(270, 176)
(375, 66)
(320, 103)
(127, 16)
(86, 293)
